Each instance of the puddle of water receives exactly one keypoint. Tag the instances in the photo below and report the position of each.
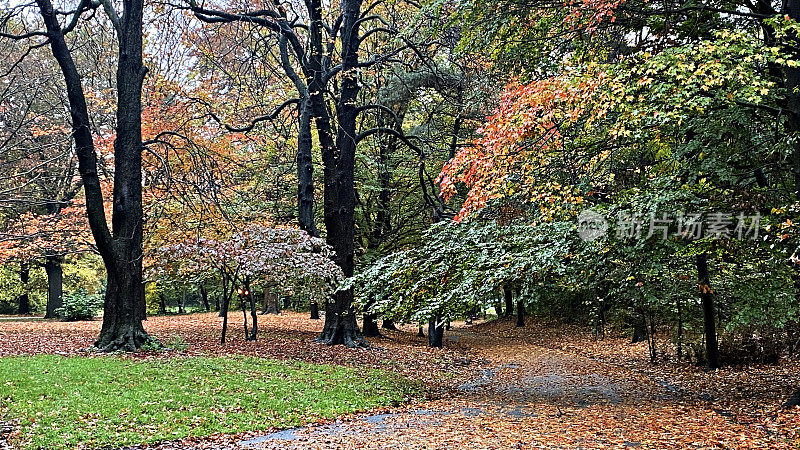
(590, 395)
(519, 414)
(472, 412)
(377, 418)
(283, 435)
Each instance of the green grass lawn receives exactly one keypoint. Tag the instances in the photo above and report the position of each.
(100, 401)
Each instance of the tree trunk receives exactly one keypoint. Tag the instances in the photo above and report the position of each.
(520, 313)
(707, 302)
(243, 302)
(639, 331)
(387, 146)
(651, 335)
(162, 303)
(142, 301)
(370, 328)
(271, 304)
(339, 167)
(388, 324)
(305, 171)
(680, 328)
(791, 8)
(224, 293)
(55, 286)
(254, 317)
(435, 332)
(120, 248)
(182, 302)
(509, 297)
(226, 301)
(253, 310)
(24, 300)
(314, 310)
(420, 333)
(204, 298)
(340, 323)
(122, 322)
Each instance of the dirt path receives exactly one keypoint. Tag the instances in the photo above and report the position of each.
(532, 397)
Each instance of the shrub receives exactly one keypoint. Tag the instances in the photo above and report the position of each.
(80, 305)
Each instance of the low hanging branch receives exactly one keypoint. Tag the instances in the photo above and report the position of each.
(424, 178)
(256, 120)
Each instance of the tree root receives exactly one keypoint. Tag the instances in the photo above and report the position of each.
(126, 339)
(349, 339)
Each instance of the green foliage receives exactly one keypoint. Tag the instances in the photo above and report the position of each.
(461, 267)
(109, 401)
(84, 272)
(633, 110)
(11, 288)
(81, 272)
(80, 305)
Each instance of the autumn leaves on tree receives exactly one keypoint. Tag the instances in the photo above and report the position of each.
(324, 56)
(329, 117)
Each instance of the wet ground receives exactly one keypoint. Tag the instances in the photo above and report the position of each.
(524, 388)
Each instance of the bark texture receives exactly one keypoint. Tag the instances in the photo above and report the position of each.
(55, 286)
(24, 301)
(204, 298)
(370, 326)
(271, 303)
(339, 167)
(120, 247)
(508, 295)
(709, 312)
(435, 332)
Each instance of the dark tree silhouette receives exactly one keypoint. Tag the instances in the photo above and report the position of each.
(120, 246)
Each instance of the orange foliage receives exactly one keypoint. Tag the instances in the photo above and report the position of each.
(513, 154)
(31, 236)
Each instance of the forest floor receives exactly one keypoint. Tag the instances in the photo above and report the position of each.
(493, 386)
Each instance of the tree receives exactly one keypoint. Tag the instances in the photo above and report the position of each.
(326, 53)
(259, 255)
(23, 299)
(121, 245)
(39, 165)
(624, 118)
(459, 268)
(34, 237)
